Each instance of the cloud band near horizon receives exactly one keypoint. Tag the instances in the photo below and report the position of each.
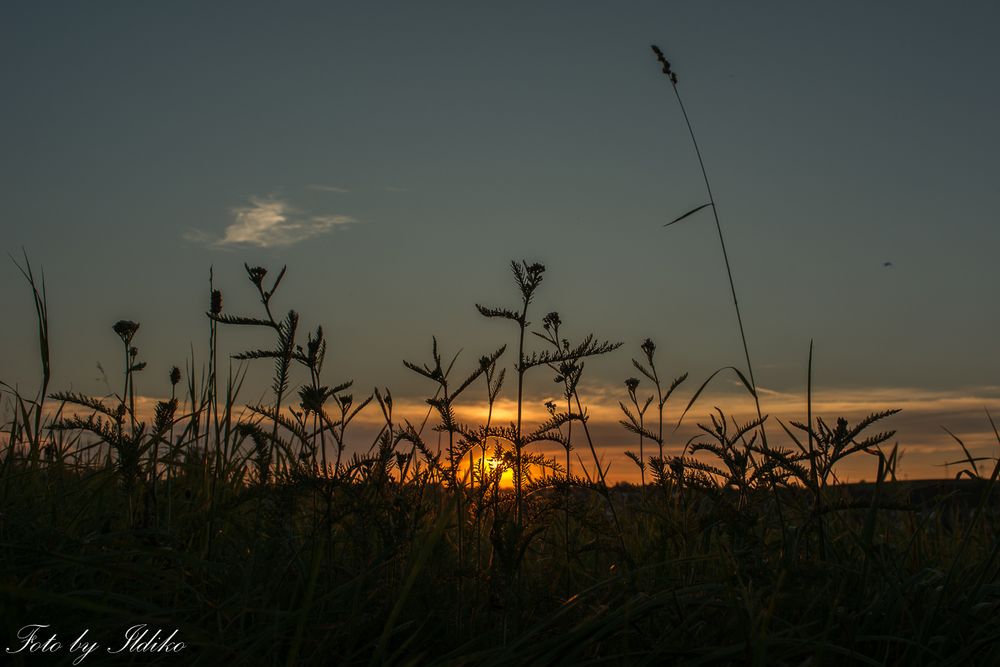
(928, 451)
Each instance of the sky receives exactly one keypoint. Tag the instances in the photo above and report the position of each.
(397, 156)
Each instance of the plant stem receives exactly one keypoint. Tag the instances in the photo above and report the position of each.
(725, 254)
(518, 445)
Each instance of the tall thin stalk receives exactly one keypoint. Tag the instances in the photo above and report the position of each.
(42, 317)
(528, 277)
(672, 77)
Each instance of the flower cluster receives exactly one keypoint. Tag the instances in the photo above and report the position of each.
(125, 330)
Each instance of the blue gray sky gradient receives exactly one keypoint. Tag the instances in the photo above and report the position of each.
(397, 156)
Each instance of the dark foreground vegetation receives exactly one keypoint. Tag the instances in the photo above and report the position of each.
(266, 535)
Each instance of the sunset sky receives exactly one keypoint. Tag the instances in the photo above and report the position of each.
(397, 156)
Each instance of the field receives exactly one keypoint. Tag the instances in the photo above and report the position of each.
(264, 535)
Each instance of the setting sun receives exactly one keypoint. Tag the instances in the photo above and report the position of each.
(488, 468)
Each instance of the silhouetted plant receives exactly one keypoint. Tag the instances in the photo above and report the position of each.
(528, 277)
(672, 77)
(828, 446)
(636, 422)
(370, 559)
(30, 411)
(283, 354)
(564, 357)
(842, 440)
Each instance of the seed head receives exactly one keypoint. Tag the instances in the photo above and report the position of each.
(535, 272)
(314, 344)
(313, 398)
(677, 466)
(665, 63)
(529, 277)
(216, 304)
(125, 330)
(256, 274)
(175, 376)
(164, 415)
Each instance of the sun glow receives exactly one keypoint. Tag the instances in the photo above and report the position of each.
(488, 468)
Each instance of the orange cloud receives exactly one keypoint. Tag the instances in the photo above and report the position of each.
(926, 448)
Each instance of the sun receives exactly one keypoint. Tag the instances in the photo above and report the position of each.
(488, 464)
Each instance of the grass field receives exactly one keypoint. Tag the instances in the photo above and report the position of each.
(265, 535)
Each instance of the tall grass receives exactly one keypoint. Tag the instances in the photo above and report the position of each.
(267, 535)
(671, 76)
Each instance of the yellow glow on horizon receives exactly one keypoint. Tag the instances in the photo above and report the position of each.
(925, 448)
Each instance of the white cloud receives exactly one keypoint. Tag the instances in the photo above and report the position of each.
(268, 223)
(329, 188)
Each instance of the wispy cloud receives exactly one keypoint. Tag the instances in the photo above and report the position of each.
(268, 223)
(329, 188)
